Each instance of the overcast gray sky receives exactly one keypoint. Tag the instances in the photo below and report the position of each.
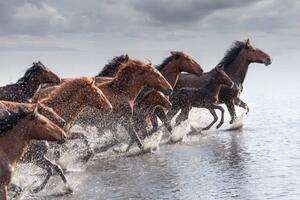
(75, 37)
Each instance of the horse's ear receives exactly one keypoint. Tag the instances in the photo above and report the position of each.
(173, 53)
(126, 57)
(149, 61)
(36, 109)
(247, 42)
(93, 82)
(176, 54)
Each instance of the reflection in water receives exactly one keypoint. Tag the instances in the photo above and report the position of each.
(262, 161)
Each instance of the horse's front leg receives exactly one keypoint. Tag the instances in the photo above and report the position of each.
(90, 153)
(163, 117)
(46, 164)
(154, 123)
(231, 109)
(184, 114)
(127, 123)
(3, 191)
(214, 114)
(242, 104)
(215, 106)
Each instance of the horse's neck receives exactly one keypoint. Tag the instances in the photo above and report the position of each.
(129, 89)
(14, 143)
(213, 86)
(67, 109)
(145, 107)
(237, 70)
(170, 73)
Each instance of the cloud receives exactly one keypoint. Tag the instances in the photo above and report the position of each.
(18, 17)
(177, 12)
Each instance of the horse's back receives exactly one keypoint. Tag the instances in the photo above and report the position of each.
(192, 81)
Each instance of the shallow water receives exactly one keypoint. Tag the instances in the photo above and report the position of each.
(260, 161)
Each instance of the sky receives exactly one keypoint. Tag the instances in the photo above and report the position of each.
(76, 38)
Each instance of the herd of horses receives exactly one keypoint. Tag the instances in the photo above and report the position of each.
(44, 107)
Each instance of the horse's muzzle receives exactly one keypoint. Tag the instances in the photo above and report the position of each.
(167, 92)
(60, 142)
(267, 61)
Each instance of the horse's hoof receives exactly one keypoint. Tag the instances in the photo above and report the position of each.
(219, 125)
(68, 190)
(37, 189)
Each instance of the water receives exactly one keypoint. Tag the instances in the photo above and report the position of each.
(261, 161)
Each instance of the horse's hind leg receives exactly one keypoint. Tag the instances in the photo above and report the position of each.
(46, 164)
(213, 112)
(242, 104)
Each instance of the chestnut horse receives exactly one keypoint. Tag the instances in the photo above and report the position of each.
(123, 89)
(170, 68)
(21, 123)
(236, 62)
(144, 110)
(68, 100)
(206, 97)
(26, 86)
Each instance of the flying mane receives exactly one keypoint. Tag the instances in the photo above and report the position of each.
(111, 68)
(232, 53)
(9, 117)
(32, 71)
(167, 60)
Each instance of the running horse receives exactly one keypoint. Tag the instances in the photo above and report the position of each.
(26, 86)
(206, 97)
(170, 68)
(122, 90)
(68, 100)
(236, 62)
(19, 124)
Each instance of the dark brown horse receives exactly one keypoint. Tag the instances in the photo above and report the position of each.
(21, 123)
(235, 62)
(170, 68)
(185, 99)
(26, 86)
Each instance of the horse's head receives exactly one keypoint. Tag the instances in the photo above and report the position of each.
(51, 115)
(222, 78)
(160, 99)
(185, 63)
(92, 96)
(41, 128)
(39, 74)
(255, 55)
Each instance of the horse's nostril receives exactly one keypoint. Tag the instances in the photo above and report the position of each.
(168, 92)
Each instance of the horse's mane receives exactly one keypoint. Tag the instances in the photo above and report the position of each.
(30, 72)
(67, 89)
(232, 53)
(111, 68)
(9, 117)
(125, 71)
(167, 60)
